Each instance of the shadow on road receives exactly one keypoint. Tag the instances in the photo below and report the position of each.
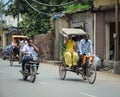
(76, 80)
(16, 65)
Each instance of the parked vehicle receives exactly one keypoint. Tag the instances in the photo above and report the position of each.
(6, 52)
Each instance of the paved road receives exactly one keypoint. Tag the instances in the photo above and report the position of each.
(48, 83)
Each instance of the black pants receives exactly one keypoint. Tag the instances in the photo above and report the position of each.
(80, 60)
(16, 50)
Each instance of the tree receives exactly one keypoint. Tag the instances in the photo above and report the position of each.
(36, 16)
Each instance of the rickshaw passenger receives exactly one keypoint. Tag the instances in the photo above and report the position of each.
(70, 56)
(15, 47)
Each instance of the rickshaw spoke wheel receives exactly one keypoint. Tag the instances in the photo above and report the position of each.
(91, 73)
(25, 77)
(62, 71)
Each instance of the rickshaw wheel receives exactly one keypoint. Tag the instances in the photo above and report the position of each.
(62, 71)
(11, 60)
(91, 73)
(25, 77)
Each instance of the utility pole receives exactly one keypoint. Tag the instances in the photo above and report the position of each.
(117, 29)
(1, 22)
(18, 16)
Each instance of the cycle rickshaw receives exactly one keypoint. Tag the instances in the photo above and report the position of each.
(87, 69)
(14, 57)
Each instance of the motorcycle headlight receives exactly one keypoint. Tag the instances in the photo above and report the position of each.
(34, 58)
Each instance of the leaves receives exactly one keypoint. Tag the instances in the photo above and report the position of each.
(37, 23)
(76, 7)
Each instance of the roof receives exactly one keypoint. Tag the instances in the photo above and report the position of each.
(19, 36)
(72, 31)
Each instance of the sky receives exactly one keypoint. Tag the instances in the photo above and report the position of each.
(5, 0)
(10, 20)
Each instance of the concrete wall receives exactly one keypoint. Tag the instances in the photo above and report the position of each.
(83, 19)
(98, 3)
(59, 23)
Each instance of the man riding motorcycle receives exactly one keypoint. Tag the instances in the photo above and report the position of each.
(27, 50)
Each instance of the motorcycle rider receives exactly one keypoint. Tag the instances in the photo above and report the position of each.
(27, 50)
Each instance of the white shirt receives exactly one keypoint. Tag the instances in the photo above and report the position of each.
(85, 47)
(22, 43)
(28, 49)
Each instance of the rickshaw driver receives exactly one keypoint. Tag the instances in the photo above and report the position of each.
(70, 56)
(85, 47)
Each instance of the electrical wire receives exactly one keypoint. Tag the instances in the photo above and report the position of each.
(43, 13)
(54, 5)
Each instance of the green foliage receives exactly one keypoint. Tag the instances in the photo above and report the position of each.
(76, 7)
(63, 48)
(37, 23)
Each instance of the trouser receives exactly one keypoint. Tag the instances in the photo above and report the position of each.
(16, 50)
(26, 59)
(80, 60)
(71, 58)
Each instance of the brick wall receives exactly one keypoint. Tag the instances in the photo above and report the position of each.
(43, 42)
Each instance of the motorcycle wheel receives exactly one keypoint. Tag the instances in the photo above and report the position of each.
(32, 74)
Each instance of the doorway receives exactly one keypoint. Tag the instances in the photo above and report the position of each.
(112, 41)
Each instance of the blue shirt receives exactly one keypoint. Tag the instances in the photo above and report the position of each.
(85, 47)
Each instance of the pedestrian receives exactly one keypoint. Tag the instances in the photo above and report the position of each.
(15, 47)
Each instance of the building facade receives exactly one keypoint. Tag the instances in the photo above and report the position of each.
(104, 18)
(81, 19)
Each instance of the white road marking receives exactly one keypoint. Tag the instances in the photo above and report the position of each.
(2, 72)
(85, 94)
(103, 79)
(44, 83)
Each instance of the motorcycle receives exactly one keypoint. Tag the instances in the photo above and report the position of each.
(31, 67)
